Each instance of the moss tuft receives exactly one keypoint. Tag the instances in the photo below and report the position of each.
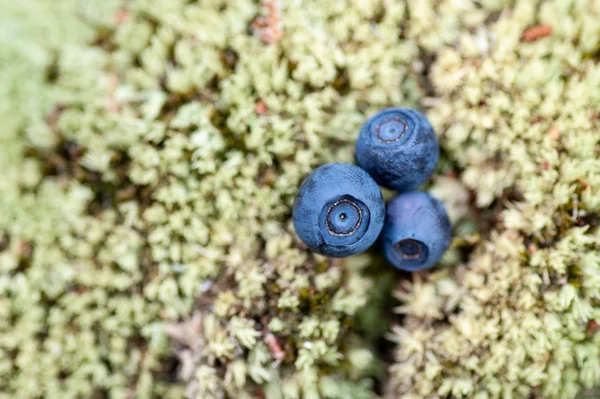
(151, 152)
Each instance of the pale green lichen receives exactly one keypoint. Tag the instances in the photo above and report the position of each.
(521, 122)
(148, 187)
(151, 151)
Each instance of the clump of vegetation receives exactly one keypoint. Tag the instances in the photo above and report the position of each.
(154, 150)
(519, 116)
(151, 152)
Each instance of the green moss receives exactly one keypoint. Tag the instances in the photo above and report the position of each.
(520, 122)
(158, 190)
(151, 152)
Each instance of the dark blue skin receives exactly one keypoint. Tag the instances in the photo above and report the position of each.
(339, 210)
(398, 148)
(416, 232)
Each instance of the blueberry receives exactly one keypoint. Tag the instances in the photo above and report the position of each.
(416, 232)
(339, 210)
(398, 148)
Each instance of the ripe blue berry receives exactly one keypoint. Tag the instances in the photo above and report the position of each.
(339, 210)
(416, 232)
(398, 148)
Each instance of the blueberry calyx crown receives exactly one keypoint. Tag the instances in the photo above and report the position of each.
(410, 249)
(345, 218)
(390, 129)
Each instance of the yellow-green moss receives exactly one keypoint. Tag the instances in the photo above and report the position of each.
(149, 189)
(520, 121)
(151, 151)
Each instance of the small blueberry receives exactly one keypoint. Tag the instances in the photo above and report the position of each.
(339, 210)
(416, 232)
(398, 148)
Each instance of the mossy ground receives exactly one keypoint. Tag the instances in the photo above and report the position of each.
(151, 151)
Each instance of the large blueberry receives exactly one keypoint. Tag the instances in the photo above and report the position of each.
(398, 147)
(416, 232)
(339, 210)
